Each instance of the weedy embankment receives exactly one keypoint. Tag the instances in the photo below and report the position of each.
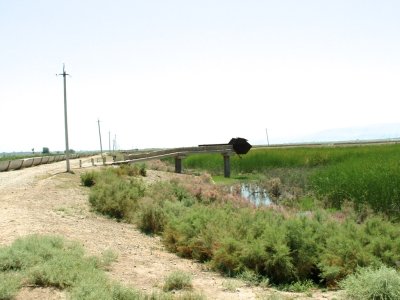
(276, 245)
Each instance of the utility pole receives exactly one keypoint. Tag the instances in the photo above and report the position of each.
(266, 131)
(64, 74)
(101, 146)
(109, 141)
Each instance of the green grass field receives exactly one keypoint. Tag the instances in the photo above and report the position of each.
(364, 175)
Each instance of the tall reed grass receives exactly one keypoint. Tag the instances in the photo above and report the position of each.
(372, 181)
(366, 175)
(263, 159)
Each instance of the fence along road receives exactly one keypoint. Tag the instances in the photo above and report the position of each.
(16, 164)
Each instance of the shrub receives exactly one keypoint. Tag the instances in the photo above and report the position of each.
(250, 277)
(373, 283)
(177, 281)
(343, 252)
(126, 170)
(305, 238)
(60, 272)
(117, 198)
(142, 170)
(107, 257)
(192, 231)
(29, 252)
(226, 257)
(299, 286)
(150, 216)
(88, 178)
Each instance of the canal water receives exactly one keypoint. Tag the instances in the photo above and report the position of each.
(253, 192)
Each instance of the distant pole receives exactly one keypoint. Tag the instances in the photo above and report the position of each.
(101, 146)
(109, 141)
(64, 74)
(266, 131)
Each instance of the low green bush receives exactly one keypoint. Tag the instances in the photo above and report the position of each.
(88, 178)
(250, 277)
(130, 170)
(373, 283)
(299, 286)
(142, 170)
(150, 216)
(177, 281)
(115, 197)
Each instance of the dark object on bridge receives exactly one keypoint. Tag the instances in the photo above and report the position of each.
(240, 145)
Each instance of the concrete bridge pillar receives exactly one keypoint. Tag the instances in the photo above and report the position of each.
(227, 164)
(178, 163)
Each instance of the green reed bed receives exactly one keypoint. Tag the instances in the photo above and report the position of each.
(373, 182)
(365, 175)
(262, 159)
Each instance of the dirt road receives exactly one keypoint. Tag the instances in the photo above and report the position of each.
(46, 200)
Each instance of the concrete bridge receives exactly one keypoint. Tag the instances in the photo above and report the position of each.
(179, 154)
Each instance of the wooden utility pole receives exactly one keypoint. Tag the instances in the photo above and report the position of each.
(64, 74)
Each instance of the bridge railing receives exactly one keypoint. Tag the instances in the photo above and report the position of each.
(179, 154)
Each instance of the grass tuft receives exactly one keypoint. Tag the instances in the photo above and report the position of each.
(177, 280)
(373, 283)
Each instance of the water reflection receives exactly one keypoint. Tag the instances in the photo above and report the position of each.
(253, 192)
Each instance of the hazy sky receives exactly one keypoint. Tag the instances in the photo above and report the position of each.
(181, 73)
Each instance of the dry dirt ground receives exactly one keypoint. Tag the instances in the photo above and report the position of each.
(46, 200)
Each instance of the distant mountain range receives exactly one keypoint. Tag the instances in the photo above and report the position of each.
(370, 132)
